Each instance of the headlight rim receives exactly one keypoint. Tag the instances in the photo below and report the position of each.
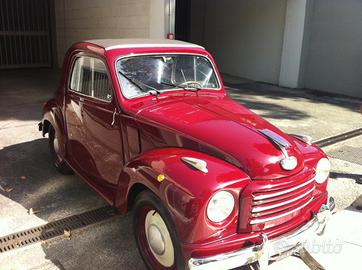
(232, 206)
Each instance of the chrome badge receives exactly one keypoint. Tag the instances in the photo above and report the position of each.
(289, 163)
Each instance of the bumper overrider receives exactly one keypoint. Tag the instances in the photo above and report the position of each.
(269, 250)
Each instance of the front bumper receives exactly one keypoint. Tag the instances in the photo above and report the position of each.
(269, 250)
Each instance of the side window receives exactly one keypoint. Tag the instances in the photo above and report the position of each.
(89, 77)
(101, 86)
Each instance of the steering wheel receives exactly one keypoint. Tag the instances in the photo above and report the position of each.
(187, 83)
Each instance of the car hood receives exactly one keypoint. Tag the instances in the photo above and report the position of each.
(222, 124)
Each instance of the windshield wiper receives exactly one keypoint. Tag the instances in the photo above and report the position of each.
(153, 91)
(180, 86)
(173, 85)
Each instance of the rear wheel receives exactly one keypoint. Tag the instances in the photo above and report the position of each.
(155, 234)
(58, 161)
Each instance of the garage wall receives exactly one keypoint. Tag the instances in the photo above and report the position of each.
(87, 19)
(246, 37)
(334, 55)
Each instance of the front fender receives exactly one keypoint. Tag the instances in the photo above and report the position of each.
(184, 191)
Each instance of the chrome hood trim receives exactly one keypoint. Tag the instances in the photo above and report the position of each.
(289, 162)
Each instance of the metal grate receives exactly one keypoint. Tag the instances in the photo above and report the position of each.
(339, 138)
(24, 34)
(55, 228)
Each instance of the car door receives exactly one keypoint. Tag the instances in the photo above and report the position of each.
(93, 122)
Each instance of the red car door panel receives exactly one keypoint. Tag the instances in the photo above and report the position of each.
(94, 137)
(103, 140)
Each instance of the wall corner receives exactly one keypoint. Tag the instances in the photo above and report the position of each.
(157, 19)
(291, 57)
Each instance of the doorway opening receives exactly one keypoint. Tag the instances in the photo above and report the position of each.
(25, 34)
(182, 20)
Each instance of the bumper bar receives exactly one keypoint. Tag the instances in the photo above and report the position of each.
(268, 250)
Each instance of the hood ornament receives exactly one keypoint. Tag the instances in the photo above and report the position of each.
(288, 163)
(196, 163)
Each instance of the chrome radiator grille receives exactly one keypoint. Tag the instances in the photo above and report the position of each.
(273, 204)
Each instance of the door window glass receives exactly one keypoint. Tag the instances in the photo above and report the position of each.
(89, 77)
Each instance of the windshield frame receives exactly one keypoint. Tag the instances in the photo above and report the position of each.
(133, 55)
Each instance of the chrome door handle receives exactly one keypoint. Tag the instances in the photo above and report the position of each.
(114, 117)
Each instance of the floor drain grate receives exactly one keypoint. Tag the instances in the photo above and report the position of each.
(54, 228)
(339, 138)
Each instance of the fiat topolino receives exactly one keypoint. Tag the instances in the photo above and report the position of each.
(149, 126)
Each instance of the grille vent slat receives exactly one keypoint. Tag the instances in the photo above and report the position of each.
(276, 203)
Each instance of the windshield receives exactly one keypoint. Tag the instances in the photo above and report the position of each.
(140, 75)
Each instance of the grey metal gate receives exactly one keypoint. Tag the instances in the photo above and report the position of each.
(25, 34)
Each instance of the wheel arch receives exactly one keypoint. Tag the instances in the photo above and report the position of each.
(45, 127)
(53, 117)
(134, 191)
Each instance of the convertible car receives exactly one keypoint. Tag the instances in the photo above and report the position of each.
(149, 126)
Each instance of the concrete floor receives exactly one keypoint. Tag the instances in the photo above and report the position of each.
(25, 168)
(25, 165)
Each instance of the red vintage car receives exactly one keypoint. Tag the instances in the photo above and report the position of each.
(149, 126)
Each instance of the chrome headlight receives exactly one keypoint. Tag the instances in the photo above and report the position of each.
(322, 170)
(220, 206)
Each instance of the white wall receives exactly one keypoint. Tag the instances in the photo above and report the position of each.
(294, 30)
(334, 55)
(87, 19)
(158, 19)
(245, 37)
(315, 44)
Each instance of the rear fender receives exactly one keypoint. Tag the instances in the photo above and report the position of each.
(184, 191)
(52, 115)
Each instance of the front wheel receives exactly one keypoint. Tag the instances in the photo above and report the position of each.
(155, 234)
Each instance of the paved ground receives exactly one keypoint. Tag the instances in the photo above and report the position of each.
(24, 158)
(29, 181)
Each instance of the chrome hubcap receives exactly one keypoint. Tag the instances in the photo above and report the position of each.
(159, 239)
(56, 145)
(155, 240)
